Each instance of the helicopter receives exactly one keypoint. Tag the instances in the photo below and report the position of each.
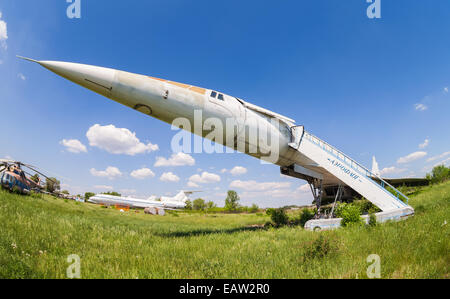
(15, 179)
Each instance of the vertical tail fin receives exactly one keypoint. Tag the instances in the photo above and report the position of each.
(375, 169)
(181, 196)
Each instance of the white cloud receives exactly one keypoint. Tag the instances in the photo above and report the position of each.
(304, 188)
(169, 177)
(446, 89)
(126, 192)
(444, 162)
(117, 140)
(142, 173)
(110, 173)
(192, 185)
(391, 170)
(238, 170)
(256, 186)
(1, 61)
(425, 143)
(103, 187)
(223, 170)
(204, 178)
(420, 107)
(74, 146)
(3, 33)
(179, 159)
(21, 76)
(411, 157)
(441, 156)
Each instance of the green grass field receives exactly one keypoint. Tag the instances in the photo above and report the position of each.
(38, 234)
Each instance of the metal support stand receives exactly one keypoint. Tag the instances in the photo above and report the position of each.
(317, 190)
(338, 197)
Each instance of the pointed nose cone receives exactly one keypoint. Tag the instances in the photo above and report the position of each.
(98, 79)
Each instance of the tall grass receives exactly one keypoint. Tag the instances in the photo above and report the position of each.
(37, 235)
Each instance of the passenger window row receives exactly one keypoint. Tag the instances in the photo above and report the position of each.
(219, 96)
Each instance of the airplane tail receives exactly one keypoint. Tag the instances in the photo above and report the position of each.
(183, 196)
(375, 169)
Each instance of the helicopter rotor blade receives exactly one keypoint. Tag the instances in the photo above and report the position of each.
(7, 161)
(27, 165)
(39, 172)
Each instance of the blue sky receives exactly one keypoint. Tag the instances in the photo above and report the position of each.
(367, 86)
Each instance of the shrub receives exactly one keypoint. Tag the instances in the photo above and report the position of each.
(350, 214)
(305, 216)
(188, 205)
(320, 248)
(269, 211)
(372, 219)
(366, 206)
(279, 217)
(268, 224)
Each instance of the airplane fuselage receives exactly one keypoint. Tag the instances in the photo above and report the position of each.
(168, 101)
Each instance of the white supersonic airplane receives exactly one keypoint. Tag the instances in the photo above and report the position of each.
(299, 153)
(158, 205)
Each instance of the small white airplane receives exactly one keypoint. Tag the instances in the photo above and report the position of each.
(299, 153)
(164, 203)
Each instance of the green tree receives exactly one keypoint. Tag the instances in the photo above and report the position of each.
(88, 195)
(439, 174)
(198, 204)
(52, 185)
(253, 209)
(232, 201)
(65, 192)
(210, 205)
(188, 205)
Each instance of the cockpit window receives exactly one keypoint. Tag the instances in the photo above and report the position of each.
(220, 97)
(213, 94)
